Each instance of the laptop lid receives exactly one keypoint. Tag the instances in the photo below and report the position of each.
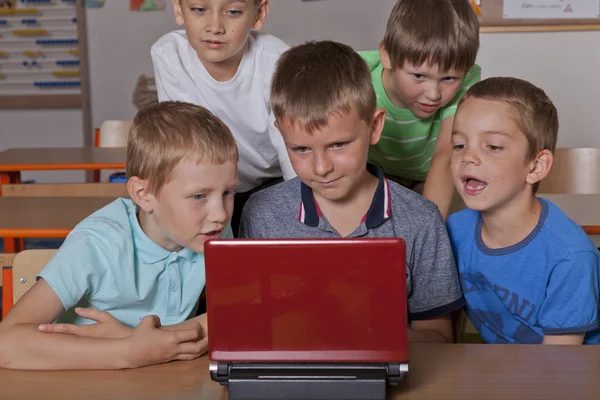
(327, 300)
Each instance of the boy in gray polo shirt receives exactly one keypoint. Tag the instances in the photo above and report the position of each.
(325, 109)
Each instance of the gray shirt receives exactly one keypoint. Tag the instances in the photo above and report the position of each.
(289, 210)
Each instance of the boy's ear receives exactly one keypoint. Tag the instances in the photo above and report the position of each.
(540, 167)
(178, 12)
(384, 56)
(377, 126)
(138, 191)
(261, 15)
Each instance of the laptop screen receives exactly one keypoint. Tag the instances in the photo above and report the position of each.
(331, 300)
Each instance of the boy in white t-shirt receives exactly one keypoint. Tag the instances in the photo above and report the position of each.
(218, 62)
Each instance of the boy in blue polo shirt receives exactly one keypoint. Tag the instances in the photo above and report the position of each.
(529, 273)
(325, 108)
(134, 264)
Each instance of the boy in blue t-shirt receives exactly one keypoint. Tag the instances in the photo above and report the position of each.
(529, 274)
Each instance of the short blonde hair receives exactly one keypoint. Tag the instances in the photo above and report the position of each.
(316, 80)
(442, 32)
(535, 114)
(163, 134)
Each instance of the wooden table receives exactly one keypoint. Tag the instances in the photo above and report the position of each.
(45, 217)
(13, 161)
(444, 372)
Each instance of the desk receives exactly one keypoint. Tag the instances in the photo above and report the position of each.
(13, 161)
(445, 372)
(45, 217)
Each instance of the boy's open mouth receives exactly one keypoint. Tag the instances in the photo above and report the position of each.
(473, 186)
(213, 234)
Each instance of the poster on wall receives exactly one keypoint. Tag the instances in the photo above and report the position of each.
(4, 4)
(551, 9)
(146, 5)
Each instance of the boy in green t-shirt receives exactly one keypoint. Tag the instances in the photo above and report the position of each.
(425, 63)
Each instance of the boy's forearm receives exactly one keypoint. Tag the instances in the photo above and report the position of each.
(23, 346)
(439, 186)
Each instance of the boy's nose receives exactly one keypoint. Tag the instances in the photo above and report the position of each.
(433, 93)
(215, 25)
(322, 165)
(469, 157)
(218, 213)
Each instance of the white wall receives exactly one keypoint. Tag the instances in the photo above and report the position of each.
(119, 43)
(565, 64)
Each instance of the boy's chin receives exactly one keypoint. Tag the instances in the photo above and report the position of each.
(474, 203)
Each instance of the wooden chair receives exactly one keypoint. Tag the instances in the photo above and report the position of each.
(66, 190)
(575, 170)
(20, 276)
(6, 263)
(112, 133)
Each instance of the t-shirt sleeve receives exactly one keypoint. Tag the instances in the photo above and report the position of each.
(472, 77)
(167, 85)
(78, 268)
(571, 304)
(435, 286)
(277, 140)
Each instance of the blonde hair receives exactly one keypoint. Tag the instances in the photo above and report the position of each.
(315, 80)
(442, 32)
(165, 133)
(534, 113)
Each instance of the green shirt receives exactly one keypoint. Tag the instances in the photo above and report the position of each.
(407, 142)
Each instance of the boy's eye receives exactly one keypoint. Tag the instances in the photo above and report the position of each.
(229, 193)
(338, 145)
(300, 149)
(198, 9)
(495, 148)
(234, 13)
(458, 146)
(198, 197)
(450, 79)
(418, 76)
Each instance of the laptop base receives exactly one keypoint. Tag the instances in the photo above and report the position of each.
(251, 381)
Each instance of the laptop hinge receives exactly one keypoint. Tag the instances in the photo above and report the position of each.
(249, 381)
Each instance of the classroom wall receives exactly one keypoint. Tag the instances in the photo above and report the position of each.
(565, 64)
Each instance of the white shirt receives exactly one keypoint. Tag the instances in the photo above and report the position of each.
(242, 103)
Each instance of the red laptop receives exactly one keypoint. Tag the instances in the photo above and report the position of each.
(329, 304)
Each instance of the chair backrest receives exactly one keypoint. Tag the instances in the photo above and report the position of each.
(6, 260)
(66, 190)
(575, 170)
(114, 133)
(26, 266)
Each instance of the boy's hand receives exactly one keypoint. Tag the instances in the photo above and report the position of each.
(106, 326)
(198, 324)
(149, 344)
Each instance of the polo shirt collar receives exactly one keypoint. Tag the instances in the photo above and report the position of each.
(380, 209)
